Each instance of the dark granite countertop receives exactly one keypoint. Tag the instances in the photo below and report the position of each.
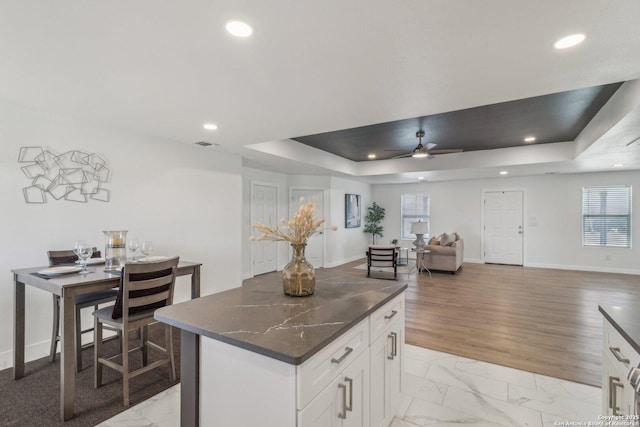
(626, 320)
(260, 318)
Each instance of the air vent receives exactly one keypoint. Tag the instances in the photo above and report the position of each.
(552, 173)
(206, 144)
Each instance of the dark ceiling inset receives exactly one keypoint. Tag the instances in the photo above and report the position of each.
(550, 118)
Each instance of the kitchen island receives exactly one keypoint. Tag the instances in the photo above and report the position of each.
(253, 356)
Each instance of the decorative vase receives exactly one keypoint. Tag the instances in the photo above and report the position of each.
(298, 277)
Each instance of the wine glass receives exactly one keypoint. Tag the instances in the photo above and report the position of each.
(147, 248)
(78, 245)
(84, 252)
(133, 245)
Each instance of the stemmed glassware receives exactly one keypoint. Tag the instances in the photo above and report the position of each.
(78, 245)
(147, 248)
(133, 245)
(84, 252)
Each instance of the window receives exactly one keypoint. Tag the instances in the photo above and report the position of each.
(606, 216)
(414, 207)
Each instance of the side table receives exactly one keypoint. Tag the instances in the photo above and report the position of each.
(420, 261)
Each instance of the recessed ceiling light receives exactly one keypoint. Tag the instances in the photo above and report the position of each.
(618, 165)
(569, 41)
(530, 139)
(371, 156)
(421, 178)
(210, 126)
(239, 28)
(503, 172)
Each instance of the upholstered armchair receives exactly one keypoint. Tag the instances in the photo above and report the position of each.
(446, 253)
(382, 256)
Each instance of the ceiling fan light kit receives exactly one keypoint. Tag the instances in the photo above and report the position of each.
(420, 152)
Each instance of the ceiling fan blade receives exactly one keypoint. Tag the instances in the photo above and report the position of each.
(446, 151)
(400, 157)
(430, 145)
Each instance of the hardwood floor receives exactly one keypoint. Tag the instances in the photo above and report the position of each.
(543, 321)
(538, 320)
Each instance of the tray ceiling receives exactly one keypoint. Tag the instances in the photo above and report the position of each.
(550, 118)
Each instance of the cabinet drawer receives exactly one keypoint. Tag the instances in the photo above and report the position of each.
(385, 316)
(615, 344)
(317, 372)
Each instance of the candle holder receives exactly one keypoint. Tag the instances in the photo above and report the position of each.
(115, 250)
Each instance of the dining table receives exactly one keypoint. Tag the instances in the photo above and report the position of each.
(68, 287)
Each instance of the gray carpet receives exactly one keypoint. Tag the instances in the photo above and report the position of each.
(34, 400)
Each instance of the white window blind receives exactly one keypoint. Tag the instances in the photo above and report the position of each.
(606, 216)
(414, 207)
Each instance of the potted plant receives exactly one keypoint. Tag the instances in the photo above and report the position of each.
(375, 214)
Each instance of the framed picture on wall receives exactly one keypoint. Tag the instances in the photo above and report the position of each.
(352, 211)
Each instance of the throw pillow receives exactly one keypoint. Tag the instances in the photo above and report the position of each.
(434, 241)
(447, 239)
(456, 236)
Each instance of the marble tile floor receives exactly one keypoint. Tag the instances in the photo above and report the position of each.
(441, 389)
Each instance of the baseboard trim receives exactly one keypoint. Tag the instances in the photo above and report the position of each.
(344, 261)
(585, 268)
(32, 352)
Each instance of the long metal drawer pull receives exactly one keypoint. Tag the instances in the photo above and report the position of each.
(393, 313)
(618, 355)
(394, 344)
(343, 414)
(350, 381)
(391, 355)
(610, 391)
(347, 351)
(614, 404)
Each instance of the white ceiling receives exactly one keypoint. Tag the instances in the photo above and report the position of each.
(164, 68)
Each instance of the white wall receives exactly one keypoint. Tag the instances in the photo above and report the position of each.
(341, 246)
(553, 217)
(183, 197)
(346, 244)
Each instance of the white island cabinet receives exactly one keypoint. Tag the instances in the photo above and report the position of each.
(251, 356)
(354, 381)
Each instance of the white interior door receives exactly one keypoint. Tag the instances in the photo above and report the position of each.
(315, 245)
(503, 229)
(264, 204)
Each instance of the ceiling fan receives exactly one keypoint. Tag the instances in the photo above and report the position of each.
(426, 151)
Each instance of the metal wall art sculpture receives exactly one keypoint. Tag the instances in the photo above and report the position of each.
(74, 176)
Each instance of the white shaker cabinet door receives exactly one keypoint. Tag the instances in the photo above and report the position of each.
(356, 378)
(379, 387)
(324, 409)
(386, 374)
(344, 402)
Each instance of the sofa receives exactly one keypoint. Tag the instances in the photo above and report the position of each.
(446, 253)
